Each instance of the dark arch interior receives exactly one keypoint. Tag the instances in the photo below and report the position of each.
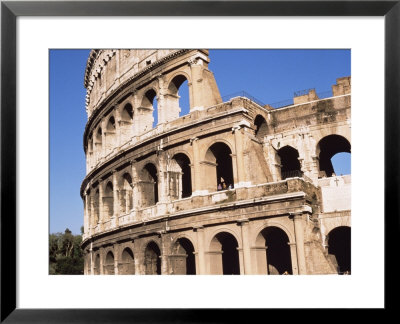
(152, 259)
(184, 261)
(261, 127)
(96, 206)
(127, 266)
(97, 264)
(328, 147)
(109, 200)
(110, 258)
(339, 245)
(278, 251)
(98, 135)
(109, 266)
(152, 173)
(230, 254)
(184, 164)
(127, 255)
(223, 158)
(127, 177)
(290, 162)
(127, 112)
(111, 124)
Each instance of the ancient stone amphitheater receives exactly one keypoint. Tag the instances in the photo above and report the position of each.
(233, 187)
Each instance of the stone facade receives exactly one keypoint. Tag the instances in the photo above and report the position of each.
(230, 188)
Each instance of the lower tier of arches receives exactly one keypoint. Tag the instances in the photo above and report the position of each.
(283, 245)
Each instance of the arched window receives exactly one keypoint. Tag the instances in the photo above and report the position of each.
(97, 264)
(126, 194)
(152, 259)
(148, 107)
(290, 165)
(110, 135)
(224, 256)
(273, 252)
(261, 127)
(108, 201)
(149, 185)
(177, 99)
(218, 167)
(98, 144)
(126, 123)
(96, 205)
(183, 258)
(180, 181)
(327, 148)
(339, 246)
(109, 264)
(127, 264)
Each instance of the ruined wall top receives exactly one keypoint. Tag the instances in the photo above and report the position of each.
(107, 69)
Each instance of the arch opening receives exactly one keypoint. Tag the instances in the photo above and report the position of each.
(290, 164)
(127, 264)
(224, 254)
(96, 267)
(96, 205)
(339, 246)
(109, 264)
(328, 147)
(110, 135)
(108, 201)
(180, 177)
(98, 143)
(261, 127)
(149, 185)
(273, 254)
(126, 194)
(178, 102)
(152, 259)
(148, 110)
(183, 258)
(126, 124)
(218, 167)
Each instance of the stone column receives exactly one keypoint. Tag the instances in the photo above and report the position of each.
(162, 174)
(103, 138)
(116, 204)
(91, 259)
(197, 80)
(299, 234)
(117, 126)
(293, 257)
(239, 156)
(138, 259)
(244, 225)
(116, 258)
(102, 260)
(196, 166)
(201, 249)
(164, 254)
(135, 189)
(101, 209)
(92, 223)
(162, 106)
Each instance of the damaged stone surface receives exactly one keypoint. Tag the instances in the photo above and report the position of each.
(230, 188)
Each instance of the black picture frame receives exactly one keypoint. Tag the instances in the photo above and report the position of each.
(10, 10)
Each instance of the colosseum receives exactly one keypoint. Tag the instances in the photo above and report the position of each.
(232, 187)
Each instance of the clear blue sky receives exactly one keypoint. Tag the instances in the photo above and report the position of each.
(268, 75)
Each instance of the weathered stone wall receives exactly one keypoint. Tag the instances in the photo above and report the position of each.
(135, 217)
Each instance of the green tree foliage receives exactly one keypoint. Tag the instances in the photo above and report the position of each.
(65, 253)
